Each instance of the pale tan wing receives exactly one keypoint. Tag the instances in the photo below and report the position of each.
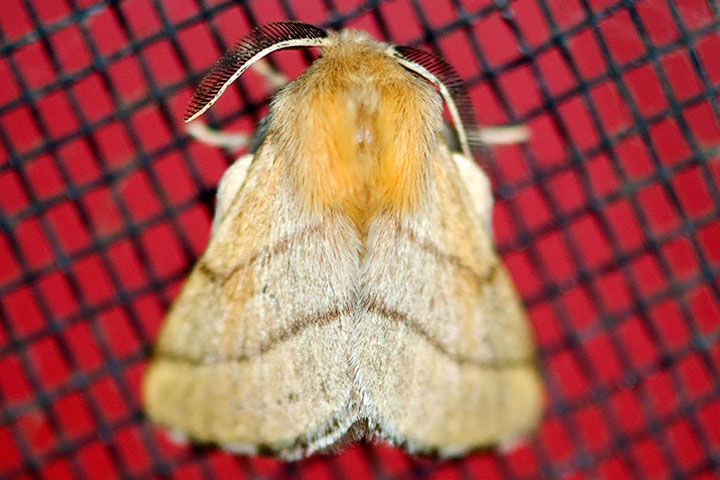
(251, 355)
(444, 351)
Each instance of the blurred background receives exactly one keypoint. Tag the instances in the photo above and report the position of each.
(608, 220)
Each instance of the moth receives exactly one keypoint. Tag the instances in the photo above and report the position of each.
(350, 289)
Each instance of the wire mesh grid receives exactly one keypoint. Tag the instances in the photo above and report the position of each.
(607, 220)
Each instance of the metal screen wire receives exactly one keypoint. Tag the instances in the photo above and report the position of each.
(608, 221)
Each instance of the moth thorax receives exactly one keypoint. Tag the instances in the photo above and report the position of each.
(365, 143)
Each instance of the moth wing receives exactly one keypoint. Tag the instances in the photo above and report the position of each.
(446, 362)
(250, 355)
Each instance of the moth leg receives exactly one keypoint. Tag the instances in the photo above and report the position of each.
(479, 188)
(500, 134)
(487, 135)
(231, 141)
(273, 77)
(228, 188)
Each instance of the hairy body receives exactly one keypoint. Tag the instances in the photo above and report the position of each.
(350, 288)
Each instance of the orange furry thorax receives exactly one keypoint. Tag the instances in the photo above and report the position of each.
(357, 130)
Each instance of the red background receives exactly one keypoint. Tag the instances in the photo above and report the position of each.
(607, 220)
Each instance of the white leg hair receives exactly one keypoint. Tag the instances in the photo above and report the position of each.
(231, 141)
(500, 134)
(274, 79)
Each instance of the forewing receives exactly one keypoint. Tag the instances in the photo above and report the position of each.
(251, 354)
(444, 350)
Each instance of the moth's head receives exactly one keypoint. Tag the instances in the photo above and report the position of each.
(350, 42)
(353, 56)
(350, 37)
(347, 46)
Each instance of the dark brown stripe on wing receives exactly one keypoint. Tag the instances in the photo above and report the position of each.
(326, 318)
(429, 247)
(278, 248)
(319, 319)
(376, 307)
(283, 245)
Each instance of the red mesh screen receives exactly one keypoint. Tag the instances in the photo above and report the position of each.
(608, 220)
